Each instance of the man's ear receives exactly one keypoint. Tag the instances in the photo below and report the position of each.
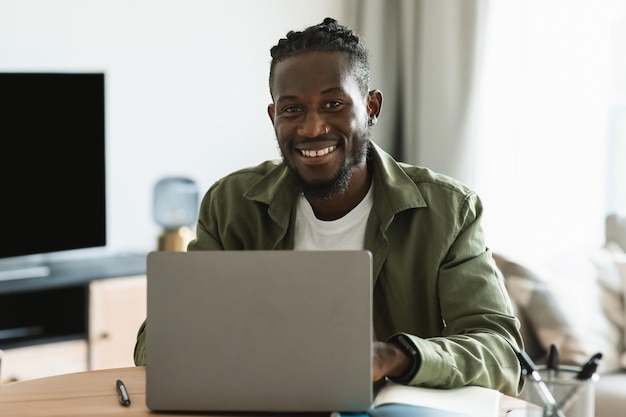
(271, 111)
(374, 105)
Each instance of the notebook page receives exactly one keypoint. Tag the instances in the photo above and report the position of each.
(471, 400)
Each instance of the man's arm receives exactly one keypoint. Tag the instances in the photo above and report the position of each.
(140, 346)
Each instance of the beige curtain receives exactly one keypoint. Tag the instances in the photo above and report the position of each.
(426, 58)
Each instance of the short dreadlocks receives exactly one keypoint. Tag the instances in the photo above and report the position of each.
(326, 36)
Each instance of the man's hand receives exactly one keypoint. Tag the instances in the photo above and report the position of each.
(389, 360)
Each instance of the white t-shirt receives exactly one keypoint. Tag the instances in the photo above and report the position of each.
(345, 233)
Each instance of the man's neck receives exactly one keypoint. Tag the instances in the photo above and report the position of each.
(339, 206)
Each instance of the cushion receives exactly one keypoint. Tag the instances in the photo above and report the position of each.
(611, 266)
(572, 302)
(621, 267)
(616, 245)
(615, 230)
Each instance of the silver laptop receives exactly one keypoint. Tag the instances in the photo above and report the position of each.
(282, 331)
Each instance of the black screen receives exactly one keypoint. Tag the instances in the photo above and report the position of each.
(52, 162)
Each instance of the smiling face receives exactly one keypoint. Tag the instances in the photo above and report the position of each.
(322, 120)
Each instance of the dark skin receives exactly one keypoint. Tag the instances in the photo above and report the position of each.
(322, 121)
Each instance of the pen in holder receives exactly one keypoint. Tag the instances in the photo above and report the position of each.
(575, 396)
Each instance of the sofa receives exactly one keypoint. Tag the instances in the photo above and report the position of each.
(575, 300)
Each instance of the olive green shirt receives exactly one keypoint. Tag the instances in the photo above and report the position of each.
(434, 277)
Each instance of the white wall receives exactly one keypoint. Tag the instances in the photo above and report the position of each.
(186, 85)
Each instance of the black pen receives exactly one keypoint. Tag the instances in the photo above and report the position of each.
(585, 373)
(530, 369)
(553, 361)
(123, 394)
(552, 365)
(590, 367)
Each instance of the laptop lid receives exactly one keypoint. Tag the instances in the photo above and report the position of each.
(259, 331)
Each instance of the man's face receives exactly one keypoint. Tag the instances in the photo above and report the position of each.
(320, 117)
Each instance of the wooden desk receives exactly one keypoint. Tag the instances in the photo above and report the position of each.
(94, 393)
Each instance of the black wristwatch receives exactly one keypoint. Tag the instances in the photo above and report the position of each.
(406, 345)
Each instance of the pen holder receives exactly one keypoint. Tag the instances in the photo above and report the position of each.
(575, 398)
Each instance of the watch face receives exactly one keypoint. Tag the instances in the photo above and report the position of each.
(175, 202)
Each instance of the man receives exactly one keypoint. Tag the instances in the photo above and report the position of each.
(441, 314)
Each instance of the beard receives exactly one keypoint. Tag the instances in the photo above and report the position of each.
(340, 182)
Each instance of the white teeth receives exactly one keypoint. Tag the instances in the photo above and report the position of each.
(321, 152)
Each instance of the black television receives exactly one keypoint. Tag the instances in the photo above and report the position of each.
(52, 168)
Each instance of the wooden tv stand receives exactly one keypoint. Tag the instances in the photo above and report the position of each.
(83, 316)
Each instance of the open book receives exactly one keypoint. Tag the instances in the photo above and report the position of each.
(467, 401)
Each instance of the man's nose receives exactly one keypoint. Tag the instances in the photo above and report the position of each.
(312, 126)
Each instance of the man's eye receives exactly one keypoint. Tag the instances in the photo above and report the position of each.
(291, 109)
(332, 104)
